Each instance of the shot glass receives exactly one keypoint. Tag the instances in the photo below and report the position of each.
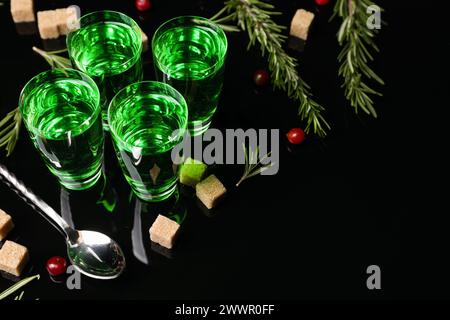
(189, 54)
(107, 47)
(61, 111)
(147, 120)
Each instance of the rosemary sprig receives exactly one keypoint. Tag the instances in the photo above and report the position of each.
(253, 166)
(17, 286)
(10, 124)
(53, 59)
(254, 16)
(10, 130)
(356, 39)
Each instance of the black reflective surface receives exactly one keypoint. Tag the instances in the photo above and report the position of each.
(335, 207)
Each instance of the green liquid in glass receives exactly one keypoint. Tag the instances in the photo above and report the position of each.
(109, 52)
(143, 128)
(66, 130)
(191, 59)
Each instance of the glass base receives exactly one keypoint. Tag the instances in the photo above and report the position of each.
(81, 184)
(156, 197)
(197, 128)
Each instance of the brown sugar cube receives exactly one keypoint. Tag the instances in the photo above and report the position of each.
(13, 257)
(144, 42)
(48, 24)
(210, 191)
(164, 231)
(67, 19)
(6, 224)
(300, 24)
(22, 10)
(73, 19)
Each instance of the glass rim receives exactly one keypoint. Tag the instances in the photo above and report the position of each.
(221, 61)
(179, 97)
(134, 24)
(64, 71)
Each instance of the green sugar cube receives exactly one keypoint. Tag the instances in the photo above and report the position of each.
(192, 172)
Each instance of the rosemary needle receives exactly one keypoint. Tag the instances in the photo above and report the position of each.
(253, 166)
(10, 130)
(53, 59)
(17, 286)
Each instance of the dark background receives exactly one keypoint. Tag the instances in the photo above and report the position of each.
(357, 198)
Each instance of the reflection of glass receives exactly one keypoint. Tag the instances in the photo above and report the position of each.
(61, 111)
(137, 238)
(108, 195)
(66, 211)
(93, 208)
(189, 54)
(147, 120)
(101, 195)
(108, 48)
(173, 207)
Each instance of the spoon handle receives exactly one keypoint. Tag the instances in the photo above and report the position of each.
(34, 201)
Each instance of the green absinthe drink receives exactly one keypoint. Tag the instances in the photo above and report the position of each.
(189, 54)
(61, 110)
(147, 119)
(107, 47)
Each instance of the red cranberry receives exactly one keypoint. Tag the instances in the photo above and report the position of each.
(56, 266)
(261, 77)
(143, 5)
(322, 2)
(296, 135)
